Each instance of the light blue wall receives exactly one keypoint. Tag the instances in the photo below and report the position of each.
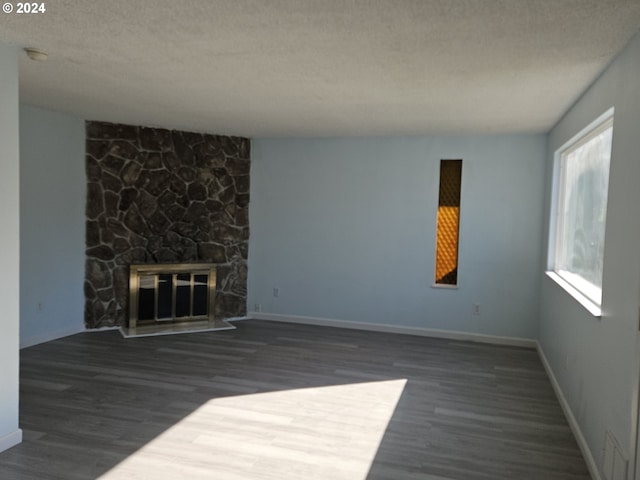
(595, 360)
(346, 229)
(52, 229)
(9, 247)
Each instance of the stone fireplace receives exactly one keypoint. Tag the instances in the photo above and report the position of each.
(158, 196)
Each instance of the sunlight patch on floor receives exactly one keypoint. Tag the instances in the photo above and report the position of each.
(313, 433)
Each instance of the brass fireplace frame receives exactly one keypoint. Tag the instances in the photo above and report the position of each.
(136, 271)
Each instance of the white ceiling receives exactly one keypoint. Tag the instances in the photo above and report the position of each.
(320, 67)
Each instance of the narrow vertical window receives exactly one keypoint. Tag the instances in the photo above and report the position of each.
(448, 222)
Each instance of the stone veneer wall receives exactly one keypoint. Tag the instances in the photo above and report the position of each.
(161, 196)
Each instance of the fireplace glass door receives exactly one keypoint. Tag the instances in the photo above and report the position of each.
(171, 293)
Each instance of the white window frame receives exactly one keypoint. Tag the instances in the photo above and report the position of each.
(586, 293)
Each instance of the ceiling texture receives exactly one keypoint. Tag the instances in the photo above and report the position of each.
(318, 68)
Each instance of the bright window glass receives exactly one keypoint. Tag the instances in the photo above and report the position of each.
(581, 199)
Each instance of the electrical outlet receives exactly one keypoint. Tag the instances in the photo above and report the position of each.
(257, 307)
(476, 309)
(276, 292)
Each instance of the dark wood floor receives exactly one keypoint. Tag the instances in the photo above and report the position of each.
(279, 401)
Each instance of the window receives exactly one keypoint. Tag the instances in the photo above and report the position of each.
(448, 222)
(581, 188)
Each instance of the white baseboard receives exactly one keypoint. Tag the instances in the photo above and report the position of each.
(10, 440)
(573, 423)
(386, 328)
(48, 336)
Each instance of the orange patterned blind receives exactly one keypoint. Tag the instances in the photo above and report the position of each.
(448, 222)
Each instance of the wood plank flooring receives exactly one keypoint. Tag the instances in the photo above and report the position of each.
(280, 401)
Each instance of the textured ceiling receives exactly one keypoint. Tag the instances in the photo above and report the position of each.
(320, 67)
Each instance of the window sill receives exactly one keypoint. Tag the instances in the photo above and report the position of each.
(444, 286)
(591, 307)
